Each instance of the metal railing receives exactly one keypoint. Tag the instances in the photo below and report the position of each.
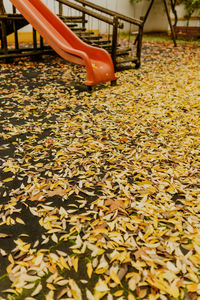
(113, 18)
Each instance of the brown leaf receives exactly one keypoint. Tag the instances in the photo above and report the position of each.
(62, 293)
(49, 142)
(123, 270)
(189, 296)
(72, 149)
(141, 252)
(37, 197)
(59, 191)
(114, 204)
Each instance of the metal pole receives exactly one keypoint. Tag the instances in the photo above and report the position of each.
(15, 31)
(83, 18)
(60, 9)
(170, 23)
(114, 41)
(4, 37)
(143, 19)
(34, 39)
(139, 47)
(41, 42)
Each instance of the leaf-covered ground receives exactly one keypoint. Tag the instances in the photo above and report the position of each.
(100, 192)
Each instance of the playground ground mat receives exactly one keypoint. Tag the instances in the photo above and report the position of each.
(100, 191)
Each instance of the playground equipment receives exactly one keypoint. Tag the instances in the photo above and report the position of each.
(120, 54)
(98, 63)
(78, 22)
(11, 23)
(173, 36)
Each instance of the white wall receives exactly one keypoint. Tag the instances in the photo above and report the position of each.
(181, 13)
(157, 20)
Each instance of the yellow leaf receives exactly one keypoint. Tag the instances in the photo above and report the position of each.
(61, 282)
(171, 189)
(146, 182)
(20, 221)
(155, 221)
(101, 286)
(10, 258)
(8, 179)
(131, 297)
(9, 268)
(148, 232)
(195, 258)
(153, 297)
(118, 293)
(39, 259)
(63, 263)
(12, 291)
(37, 290)
(101, 270)
(115, 277)
(89, 295)
(59, 153)
(39, 165)
(160, 284)
(51, 287)
(74, 261)
(142, 293)
(192, 276)
(122, 257)
(192, 287)
(130, 226)
(75, 290)
(33, 137)
(4, 235)
(10, 221)
(76, 251)
(50, 296)
(89, 269)
(54, 238)
(100, 230)
(174, 290)
(132, 284)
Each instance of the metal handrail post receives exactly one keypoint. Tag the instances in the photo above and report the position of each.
(15, 30)
(139, 46)
(114, 41)
(4, 37)
(60, 8)
(83, 17)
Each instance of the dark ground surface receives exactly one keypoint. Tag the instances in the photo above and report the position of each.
(38, 100)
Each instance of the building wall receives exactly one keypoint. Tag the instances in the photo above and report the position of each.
(194, 21)
(157, 20)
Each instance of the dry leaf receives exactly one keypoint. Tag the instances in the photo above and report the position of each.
(4, 235)
(114, 204)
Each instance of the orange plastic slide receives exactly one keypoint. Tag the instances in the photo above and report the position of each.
(98, 63)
